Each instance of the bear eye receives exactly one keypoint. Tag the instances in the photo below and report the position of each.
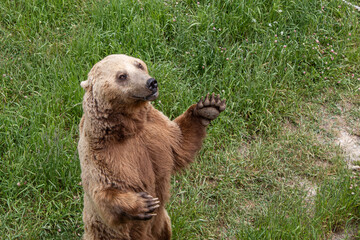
(121, 76)
(140, 66)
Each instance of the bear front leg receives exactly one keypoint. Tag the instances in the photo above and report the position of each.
(192, 124)
(117, 207)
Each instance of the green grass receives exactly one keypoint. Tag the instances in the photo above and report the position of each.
(281, 65)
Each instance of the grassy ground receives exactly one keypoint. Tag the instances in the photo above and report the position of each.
(270, 168)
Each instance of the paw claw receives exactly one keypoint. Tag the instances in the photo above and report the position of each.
(217, 100)
(222, 105)
(200, 103)
(212, 99)
(145, 195)
(153, 208)
(207, 101)
(153, 203)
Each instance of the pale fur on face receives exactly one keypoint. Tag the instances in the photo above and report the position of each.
(118, 79)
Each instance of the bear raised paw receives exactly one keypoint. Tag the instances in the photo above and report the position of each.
(210, 108)
(128, 150)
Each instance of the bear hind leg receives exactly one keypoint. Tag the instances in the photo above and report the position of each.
(164, 233)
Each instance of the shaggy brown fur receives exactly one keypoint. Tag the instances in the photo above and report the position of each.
(128, 150)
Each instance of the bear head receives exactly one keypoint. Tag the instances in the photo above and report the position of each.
(119, 80)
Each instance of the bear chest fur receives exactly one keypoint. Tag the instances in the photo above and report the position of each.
(145, 160)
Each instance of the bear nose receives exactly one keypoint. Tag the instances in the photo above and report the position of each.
(151, 84)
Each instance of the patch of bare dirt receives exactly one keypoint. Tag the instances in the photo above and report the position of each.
(349, 234)
(310, 189)
(351, 146)
(342, 127)
(343, 130)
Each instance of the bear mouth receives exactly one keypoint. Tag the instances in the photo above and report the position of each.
(150, 97)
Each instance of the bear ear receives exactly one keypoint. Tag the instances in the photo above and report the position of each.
(85, 84)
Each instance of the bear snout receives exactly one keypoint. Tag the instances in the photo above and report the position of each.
(152, 84)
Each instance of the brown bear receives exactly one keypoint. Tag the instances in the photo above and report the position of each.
(128, 150)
